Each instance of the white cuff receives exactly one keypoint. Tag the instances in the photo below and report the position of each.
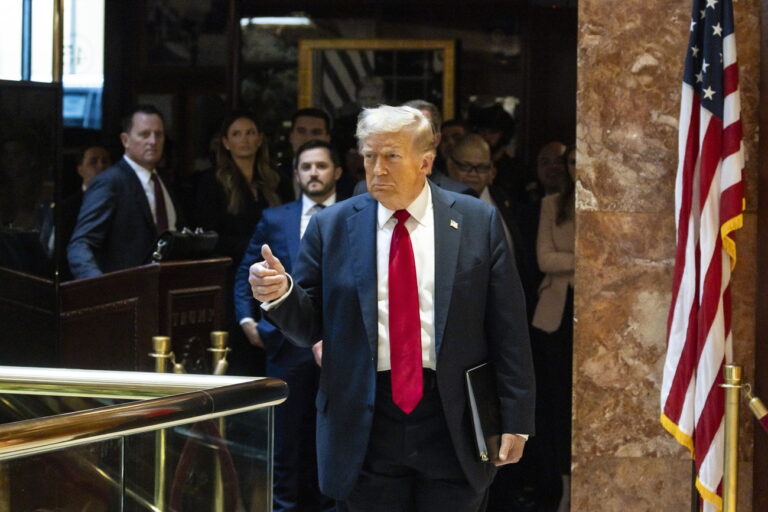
(272, 304)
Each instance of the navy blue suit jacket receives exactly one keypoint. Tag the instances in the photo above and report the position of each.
(279, 227)
(115, 229)
(479, 314)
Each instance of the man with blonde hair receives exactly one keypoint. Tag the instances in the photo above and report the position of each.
(408, 286)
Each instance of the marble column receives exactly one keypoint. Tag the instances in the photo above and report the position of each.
(630, 65)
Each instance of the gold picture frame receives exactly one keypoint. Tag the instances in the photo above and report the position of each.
(335, 71)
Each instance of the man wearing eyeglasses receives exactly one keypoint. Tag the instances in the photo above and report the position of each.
(470, 163)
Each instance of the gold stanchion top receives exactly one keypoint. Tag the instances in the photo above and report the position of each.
(161, 344)
(732, 373)
(219, 339)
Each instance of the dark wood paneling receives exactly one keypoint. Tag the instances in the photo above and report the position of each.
(107, 322)
(27, 320)
(193, 297)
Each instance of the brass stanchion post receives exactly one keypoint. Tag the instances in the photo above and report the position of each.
(219, 351)
(162, 355)
(732, 377)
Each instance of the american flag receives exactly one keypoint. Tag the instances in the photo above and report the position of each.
(709, 201)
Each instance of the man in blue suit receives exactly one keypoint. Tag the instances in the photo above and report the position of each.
(316, 170)
(125, 207)
(408, 271)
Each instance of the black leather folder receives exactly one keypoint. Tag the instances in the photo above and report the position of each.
(484, 407)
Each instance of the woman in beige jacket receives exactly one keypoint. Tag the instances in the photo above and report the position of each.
(553, 322)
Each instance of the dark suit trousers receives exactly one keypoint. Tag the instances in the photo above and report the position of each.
(411, 465)
(295, 486)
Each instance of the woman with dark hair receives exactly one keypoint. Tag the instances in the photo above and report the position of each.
(231, 197)
(552, 334)
(230, 200)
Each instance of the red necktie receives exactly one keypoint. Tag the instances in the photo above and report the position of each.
(161, 216)
(404, 321)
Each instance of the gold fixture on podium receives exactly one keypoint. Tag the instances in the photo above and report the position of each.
(219, 349)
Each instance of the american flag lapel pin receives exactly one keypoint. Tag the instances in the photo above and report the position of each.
(454, 224)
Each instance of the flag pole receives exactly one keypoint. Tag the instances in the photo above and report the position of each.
(695, 506)
(732, 378)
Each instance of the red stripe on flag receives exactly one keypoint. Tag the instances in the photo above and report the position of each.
(686, 366)
(730, 79)
(689, 165)
(732, 139)
(710, 418)
(711, 154)
(731, 202)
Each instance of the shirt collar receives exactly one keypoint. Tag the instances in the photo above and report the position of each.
(485, 195)
(307, 202)
(143, 173)
(418, 208)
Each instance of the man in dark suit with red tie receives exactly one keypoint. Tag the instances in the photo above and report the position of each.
(127, 206)
(408, 287)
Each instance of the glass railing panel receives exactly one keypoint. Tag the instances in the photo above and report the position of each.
(199, 469)
(79, 478)
(220, 464)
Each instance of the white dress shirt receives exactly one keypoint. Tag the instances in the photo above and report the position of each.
(145, 177)
(308, 204)
(421, 227)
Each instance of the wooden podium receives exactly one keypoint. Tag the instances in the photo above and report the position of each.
(107, 322)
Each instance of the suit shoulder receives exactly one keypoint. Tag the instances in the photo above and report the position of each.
(276, 212)
(350, 205)
(465, 202)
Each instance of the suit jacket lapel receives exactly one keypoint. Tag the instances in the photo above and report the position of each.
(448, 226)
(294, 220)
(138, 192)
(361, 228)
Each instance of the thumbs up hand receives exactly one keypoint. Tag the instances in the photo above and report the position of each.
(268, 278)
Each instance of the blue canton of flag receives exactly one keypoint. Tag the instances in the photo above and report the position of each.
(710, 25)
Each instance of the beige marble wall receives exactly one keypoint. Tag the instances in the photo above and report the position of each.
(630, 64)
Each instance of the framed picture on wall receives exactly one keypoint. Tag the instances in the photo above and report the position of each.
(342, 75)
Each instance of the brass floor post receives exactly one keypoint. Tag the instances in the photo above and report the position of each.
(219, 351)
(162, 354)
(732, 377)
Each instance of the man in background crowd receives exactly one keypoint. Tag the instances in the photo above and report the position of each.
(127, 206)
(316, 169)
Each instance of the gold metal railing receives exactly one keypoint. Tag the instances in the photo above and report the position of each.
(194, 398)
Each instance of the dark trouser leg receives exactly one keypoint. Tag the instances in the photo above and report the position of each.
(411, 465)
(295, 470)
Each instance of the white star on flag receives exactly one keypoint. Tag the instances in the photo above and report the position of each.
(709, 93)
(711, 3)
(717, 30)
(695, 51)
